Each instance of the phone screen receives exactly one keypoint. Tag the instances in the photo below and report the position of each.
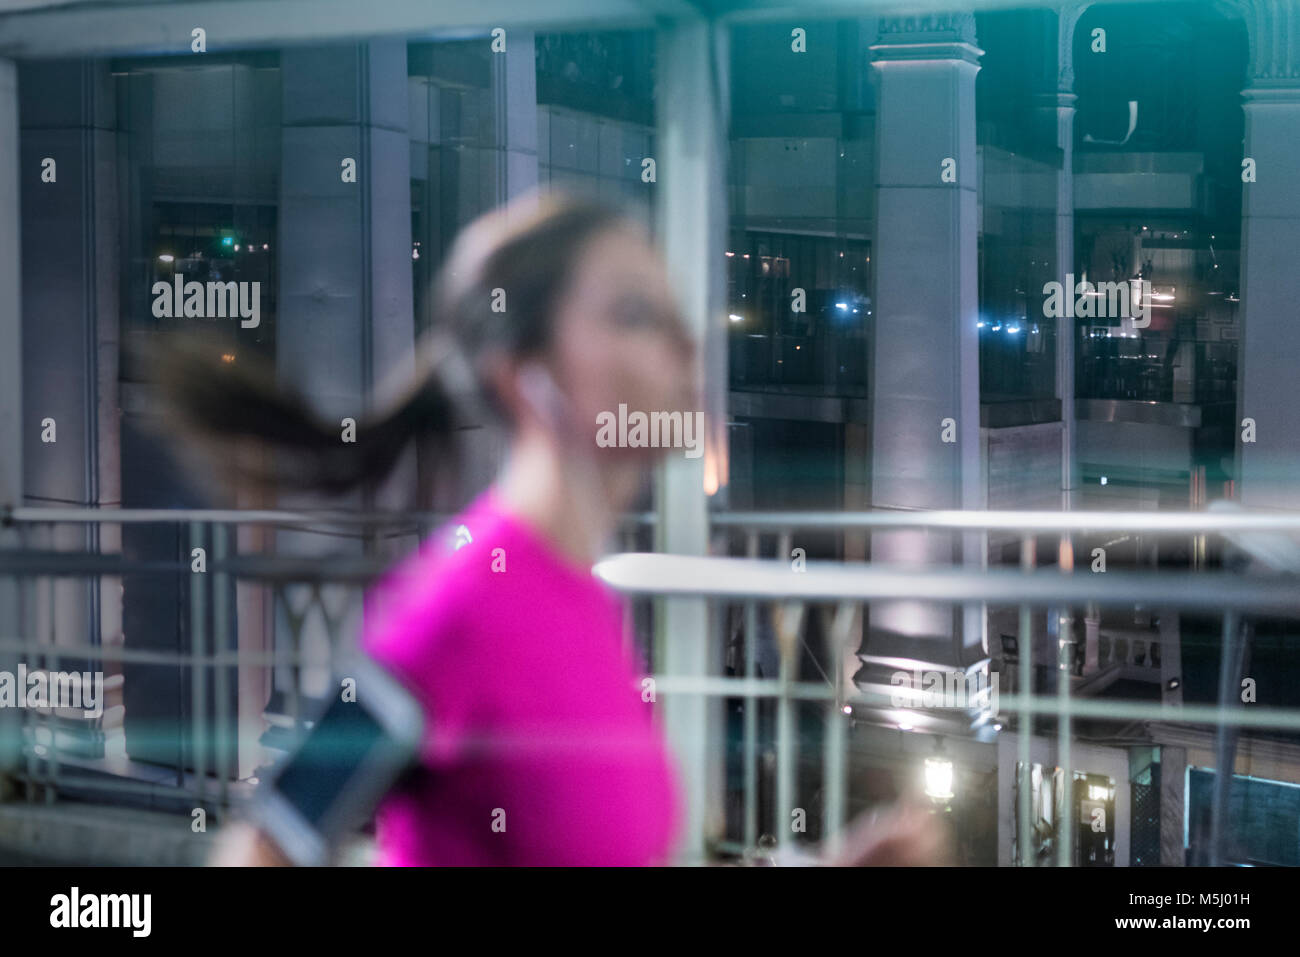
(328, 758)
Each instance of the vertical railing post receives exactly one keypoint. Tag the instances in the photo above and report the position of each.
(834, 758)
(789, 625)
(1064, 669)
(1231, 664)
(47, 659)
(691, 219)
(221, 645)
(1024, 720)
(751, 710)
(198, 628)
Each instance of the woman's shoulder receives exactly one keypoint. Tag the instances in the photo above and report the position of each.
(433, 599)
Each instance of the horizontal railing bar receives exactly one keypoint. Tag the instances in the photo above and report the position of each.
(340, 569)
(231, 516)
(228, 659)
(737, 578)
(1016, 521)
(32, 562)
(1118, 709)
(234, 516)
(662, 574)
(953, 519)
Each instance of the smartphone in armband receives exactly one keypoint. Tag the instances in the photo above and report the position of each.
(350, 758)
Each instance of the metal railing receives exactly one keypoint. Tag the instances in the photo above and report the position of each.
(297, 589)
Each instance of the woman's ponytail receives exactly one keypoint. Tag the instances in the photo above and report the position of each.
(254, 432)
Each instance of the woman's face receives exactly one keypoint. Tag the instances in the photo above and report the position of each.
(619, 339)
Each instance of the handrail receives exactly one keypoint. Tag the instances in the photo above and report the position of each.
(232, 516)
(1180, 522)
(1017, 521)
(740, 578)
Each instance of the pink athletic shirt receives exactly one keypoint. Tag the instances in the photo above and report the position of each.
(538, 748)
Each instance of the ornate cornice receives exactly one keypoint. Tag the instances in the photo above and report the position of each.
(939, 36)
(1273, 31)
(937, 28)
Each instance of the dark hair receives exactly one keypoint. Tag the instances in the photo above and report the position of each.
(526, 250)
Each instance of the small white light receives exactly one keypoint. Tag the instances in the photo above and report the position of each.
(736, 318)
(938, 778)
(848, 709)
(1104, 480)
(166, 258)
(841, 305)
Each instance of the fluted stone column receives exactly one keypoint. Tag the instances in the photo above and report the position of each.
(345, 317)
(346, 323)
(1270, 283)
(926, 352)
(70, 318)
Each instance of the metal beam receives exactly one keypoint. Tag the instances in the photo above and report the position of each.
(750, 11)
(165, 28)
(54, 28)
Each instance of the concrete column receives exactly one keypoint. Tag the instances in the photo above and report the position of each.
(346, 322)
(926, 354)
(345, 317)
(691, 196)
(501, 164)
(11, 382)
(70, 318)
(1270, 284)
(483, 139)
(514, 117)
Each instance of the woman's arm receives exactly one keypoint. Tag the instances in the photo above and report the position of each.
(906, 835)
(242, 845)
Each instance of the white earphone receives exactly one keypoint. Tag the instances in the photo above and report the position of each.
(543, 395)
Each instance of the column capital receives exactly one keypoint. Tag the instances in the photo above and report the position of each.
(1273, 32)
(1067, 18)
(948, 36)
